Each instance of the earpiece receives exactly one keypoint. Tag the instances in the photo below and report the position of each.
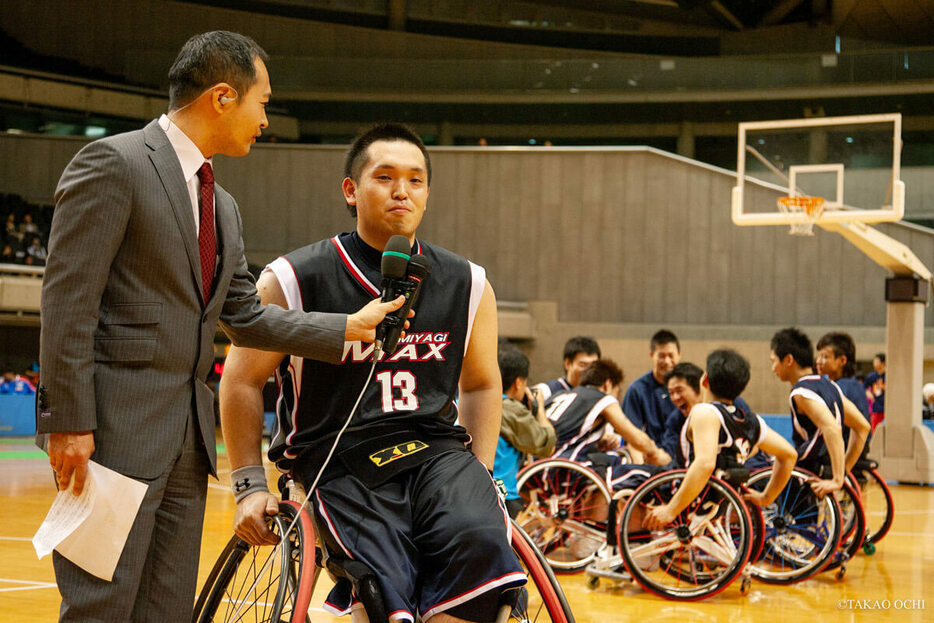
(225, 100)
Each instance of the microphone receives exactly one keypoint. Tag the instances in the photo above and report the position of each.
(417, 271)
(393, 266)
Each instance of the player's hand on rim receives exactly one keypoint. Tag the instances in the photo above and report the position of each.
(250, 522)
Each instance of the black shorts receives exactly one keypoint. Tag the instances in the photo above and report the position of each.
(437, 537)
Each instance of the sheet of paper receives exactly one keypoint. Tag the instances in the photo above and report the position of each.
(91, 530)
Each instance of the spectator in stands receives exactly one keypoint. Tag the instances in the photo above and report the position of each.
(11, 229)
(646, 403)
(37, 252)
(875, 391)
(8, 256)
(28, 227)
(16, 384)
(927, 412)
(579, 352)
(525, 428)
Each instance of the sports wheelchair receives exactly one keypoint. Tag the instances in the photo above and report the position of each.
(566, 505)
(696, 556)
(276, 583)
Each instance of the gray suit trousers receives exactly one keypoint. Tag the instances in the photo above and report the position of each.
(159, 565)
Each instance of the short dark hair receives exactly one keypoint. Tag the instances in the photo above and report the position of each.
(687, 371)
(513, 364)
(880, 357)
(357, 156)
(727, 373)
(662, 337)
(601, 371)
(209, 58)
(842, 345)
(793, 342)
(581, 344)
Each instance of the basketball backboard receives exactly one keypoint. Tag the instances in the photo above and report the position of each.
(850, 165)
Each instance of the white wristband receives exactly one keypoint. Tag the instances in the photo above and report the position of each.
(247, 480)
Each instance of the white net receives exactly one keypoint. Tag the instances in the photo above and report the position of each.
(810, 210)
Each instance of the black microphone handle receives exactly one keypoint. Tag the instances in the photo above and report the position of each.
(396, 320)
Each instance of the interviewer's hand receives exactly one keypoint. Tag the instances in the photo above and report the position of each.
(68, 455)
(250, 521)
(361, 326)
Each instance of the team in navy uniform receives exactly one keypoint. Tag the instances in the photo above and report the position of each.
(720, 435)
(823, 419)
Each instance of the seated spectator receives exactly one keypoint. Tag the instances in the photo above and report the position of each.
(37, 252)
(28, 227)
(525, 428)
(16, 384)
(8, 256)
(875, 391)
(11, 229)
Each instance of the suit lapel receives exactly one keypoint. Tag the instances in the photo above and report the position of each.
(165, 161)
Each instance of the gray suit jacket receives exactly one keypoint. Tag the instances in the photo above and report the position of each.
(127, 341)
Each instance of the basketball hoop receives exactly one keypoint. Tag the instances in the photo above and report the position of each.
(810, 209)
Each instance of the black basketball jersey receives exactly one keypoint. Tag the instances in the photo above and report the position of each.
(575, 414)
(414, 386)
(741, 432)
(807, 436)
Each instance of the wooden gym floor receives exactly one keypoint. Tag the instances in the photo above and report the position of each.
(875, 587)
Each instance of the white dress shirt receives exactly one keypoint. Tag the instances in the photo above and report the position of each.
(191, 159)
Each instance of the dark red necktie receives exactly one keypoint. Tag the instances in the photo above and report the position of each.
(207, 242)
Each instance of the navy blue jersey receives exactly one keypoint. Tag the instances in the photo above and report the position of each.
(807, 436)
(414, 386)
(741, 432)
(577, 418)
(647, 404)
(552, 387)
(674, 423)
(855, 392)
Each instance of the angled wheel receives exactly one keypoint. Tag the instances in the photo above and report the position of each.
(877, 502)
(542, 598)
(700, 553)
(853, 526)
(262, 583)
(802, 532)
(565, 513)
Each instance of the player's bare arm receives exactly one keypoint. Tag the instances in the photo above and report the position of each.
(634, 436)
(818, 412)
(704, 429)
(481, 405)
(859, 431)
(241, 401)
(785, 458)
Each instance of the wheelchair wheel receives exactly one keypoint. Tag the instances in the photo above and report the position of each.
(566, 508)
(802, 532)
(700, 553)
(877, 502)
(542, 598)
(262, 583)
(853, 525)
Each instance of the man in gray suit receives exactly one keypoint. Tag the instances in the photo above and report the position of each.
(146, 257)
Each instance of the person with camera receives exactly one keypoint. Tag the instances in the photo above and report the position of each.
(525, 428)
